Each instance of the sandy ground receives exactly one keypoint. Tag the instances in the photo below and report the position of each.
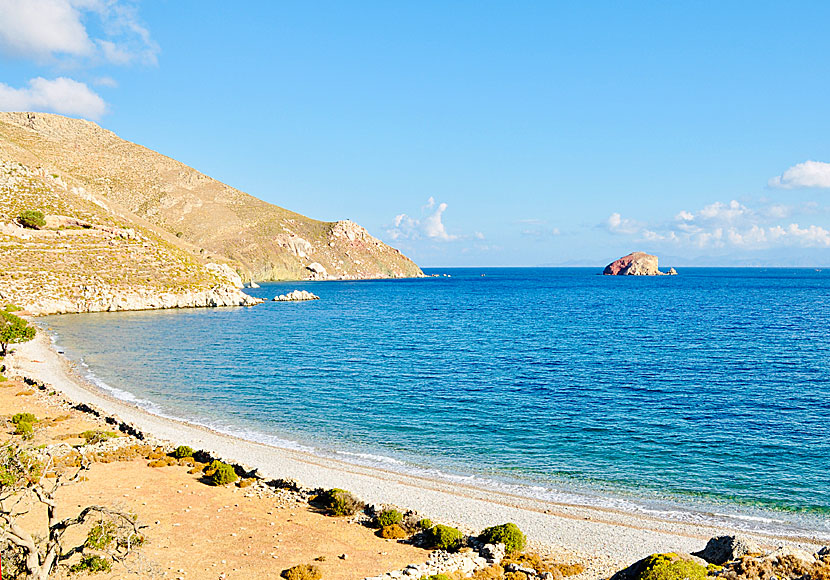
(198, 531)
(603, 539)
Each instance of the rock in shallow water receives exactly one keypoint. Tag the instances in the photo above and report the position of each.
(296, 296)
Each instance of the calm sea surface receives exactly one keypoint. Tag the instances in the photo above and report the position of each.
(704, 396)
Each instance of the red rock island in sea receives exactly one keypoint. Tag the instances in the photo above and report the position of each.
(636, 264)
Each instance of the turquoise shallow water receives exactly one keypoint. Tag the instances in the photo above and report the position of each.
(704, 396)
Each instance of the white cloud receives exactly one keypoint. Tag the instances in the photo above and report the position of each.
(108, 82)
(44, 30)
(619, 225)
(61, 95)
(727, 225)
(433, 227)
(723, 212)
(430, 225)
(807, 174)
(41, 28)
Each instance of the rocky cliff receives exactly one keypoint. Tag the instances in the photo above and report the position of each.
(635, 264)
(193, 212)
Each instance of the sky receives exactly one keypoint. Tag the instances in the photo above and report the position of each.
(470, 133)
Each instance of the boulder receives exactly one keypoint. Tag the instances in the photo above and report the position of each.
(792, 553)
(634, 264)
(318, 271)
(493, 553)
(672, 272)
(722, 549)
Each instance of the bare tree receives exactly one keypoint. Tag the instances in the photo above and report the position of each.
(30, 482)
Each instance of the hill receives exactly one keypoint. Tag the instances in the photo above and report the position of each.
(128, 227)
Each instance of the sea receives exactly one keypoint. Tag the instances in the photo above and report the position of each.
(702, 397)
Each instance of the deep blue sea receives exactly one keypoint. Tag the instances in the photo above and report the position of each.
(703, 396)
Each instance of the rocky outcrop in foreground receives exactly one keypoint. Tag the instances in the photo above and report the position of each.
(733, 558)
(636, 264)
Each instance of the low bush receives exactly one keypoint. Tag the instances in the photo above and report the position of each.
(26, 430)
(339, 502)
(19, 418)
(425, 524)
(508, 534)
(442, 537)
(393, 532)
(101, 535)
(32, 219)
(182, 451)
(670, 567)
(91, 563)
(302, 572)
(437, 577)
(97, 436)
(389, 517)
(223, 475)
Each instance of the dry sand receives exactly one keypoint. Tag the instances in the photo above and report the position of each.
(602, 539)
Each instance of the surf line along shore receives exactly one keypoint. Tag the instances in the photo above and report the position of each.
(610, 539)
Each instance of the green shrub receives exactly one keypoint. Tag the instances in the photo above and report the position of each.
(425, 524)
(183, 451)
(31, 219)
(443, 537)
(19, 418)
(25, 430)
(393, 532)
(339, 502)
(438, 577)
(508, 534)
(92, 564)
(302, 572)
(13, 330)
(389, 517)
(223, 474)
(670, 567)
(100, 535)
(96, 436)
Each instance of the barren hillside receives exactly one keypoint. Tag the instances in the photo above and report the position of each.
(190, 211)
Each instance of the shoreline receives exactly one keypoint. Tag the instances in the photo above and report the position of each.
(615, 537)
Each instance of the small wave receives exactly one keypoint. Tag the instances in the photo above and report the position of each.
(376, 459)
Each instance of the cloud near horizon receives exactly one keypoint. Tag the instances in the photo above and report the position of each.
(815, 174)
(430, 225)
(61, 95)
(726, 225)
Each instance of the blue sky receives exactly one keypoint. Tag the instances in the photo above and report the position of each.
(470, 133)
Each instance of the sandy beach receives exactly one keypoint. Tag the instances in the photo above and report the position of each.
(604, 540)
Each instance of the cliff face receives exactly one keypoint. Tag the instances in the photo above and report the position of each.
(191, 211)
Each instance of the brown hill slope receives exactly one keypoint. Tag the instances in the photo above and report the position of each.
(192, 211)
(90, 256)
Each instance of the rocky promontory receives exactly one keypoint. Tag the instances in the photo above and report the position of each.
(636, 264)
